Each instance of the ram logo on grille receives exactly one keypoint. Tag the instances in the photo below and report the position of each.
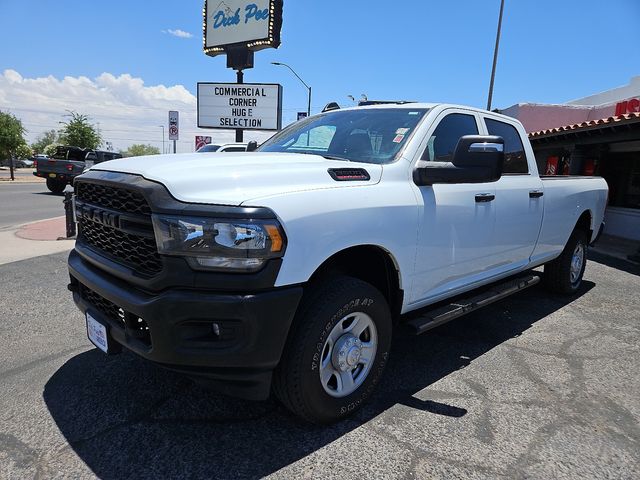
(98, 215)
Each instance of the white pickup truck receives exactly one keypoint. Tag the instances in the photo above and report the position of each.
(286, 269)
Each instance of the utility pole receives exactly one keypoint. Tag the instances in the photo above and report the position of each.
(163, 149)
(495, 56)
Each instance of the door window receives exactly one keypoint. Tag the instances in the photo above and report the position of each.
(515, 160)
(444, 139)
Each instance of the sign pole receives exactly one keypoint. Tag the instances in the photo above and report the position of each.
(174, 127)
(239, 131)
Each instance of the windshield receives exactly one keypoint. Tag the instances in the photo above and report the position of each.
(373, 135)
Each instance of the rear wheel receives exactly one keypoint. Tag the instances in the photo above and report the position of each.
(564, 274)
(336, 352)
(56, 186)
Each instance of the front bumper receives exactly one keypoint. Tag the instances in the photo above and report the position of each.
(175, 327)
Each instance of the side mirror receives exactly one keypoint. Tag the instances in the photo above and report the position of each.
(252, 146)
(476, 159)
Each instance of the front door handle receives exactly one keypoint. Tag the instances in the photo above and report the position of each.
(536, 193)
(485, 197)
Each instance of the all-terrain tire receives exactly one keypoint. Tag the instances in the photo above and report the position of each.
(325, 309)
(564, 274)
(56, 186)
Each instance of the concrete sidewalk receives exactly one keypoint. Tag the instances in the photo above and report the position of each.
(33, 240)
(21, 175)
(617, 247)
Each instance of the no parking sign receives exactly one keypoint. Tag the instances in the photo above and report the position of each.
(174, 129)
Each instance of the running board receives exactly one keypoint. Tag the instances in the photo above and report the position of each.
(444, 314)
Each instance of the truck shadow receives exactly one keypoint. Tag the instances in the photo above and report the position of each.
(613, 262)
(125, 417)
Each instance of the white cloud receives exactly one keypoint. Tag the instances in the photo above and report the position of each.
(126, 109)
(178, 33)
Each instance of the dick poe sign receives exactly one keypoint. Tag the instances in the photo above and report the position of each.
(254, 24)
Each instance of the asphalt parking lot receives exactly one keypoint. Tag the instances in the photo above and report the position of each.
(536, 386)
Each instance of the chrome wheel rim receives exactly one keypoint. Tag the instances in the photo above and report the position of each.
(577, 261)
(348, 354)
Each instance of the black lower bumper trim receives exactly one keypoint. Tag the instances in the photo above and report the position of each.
(231, 341)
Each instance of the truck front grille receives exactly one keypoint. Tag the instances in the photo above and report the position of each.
(113, 198)
(138, 252)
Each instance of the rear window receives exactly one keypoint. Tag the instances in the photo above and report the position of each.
(515, 160)
(67, 153)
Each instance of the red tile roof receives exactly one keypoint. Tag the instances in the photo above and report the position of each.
(627, 117)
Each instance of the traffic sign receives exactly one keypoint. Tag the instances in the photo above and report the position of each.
(174, 129)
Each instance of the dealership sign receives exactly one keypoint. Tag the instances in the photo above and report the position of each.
(248, 106)
(201, 141)
(252, 24)
(628, 106)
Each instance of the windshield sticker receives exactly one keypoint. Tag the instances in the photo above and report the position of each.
(414, 113)
(398, 138)
(402, 131)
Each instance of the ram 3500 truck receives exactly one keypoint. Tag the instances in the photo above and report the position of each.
(286, 269)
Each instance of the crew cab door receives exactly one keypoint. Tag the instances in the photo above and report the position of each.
(456, 235)
(519, 196)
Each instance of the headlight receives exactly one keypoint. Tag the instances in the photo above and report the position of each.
(219, 244)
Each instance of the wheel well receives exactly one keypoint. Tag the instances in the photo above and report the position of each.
(584, 223)
(370, 264)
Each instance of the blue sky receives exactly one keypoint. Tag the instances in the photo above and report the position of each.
(551, 51)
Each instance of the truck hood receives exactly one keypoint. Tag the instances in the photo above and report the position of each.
(237, 178)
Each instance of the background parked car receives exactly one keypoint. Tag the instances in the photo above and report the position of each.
(226, 147)
(17, 163)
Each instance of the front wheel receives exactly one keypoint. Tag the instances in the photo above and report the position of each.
(564, 274)
(336, 352)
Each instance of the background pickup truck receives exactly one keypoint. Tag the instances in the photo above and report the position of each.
(67, 163)
(287, 269)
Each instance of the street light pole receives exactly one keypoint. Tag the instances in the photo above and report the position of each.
(163, 150)
(495, 56)
(303, 82)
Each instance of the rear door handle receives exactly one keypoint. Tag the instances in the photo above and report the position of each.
(485, 197)
(536, 193)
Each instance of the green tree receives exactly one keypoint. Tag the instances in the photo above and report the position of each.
(49, 137)
(11, 137)
(11, 134)
(79, 132)
(140, 149)
(23, 151)
(49, 150)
